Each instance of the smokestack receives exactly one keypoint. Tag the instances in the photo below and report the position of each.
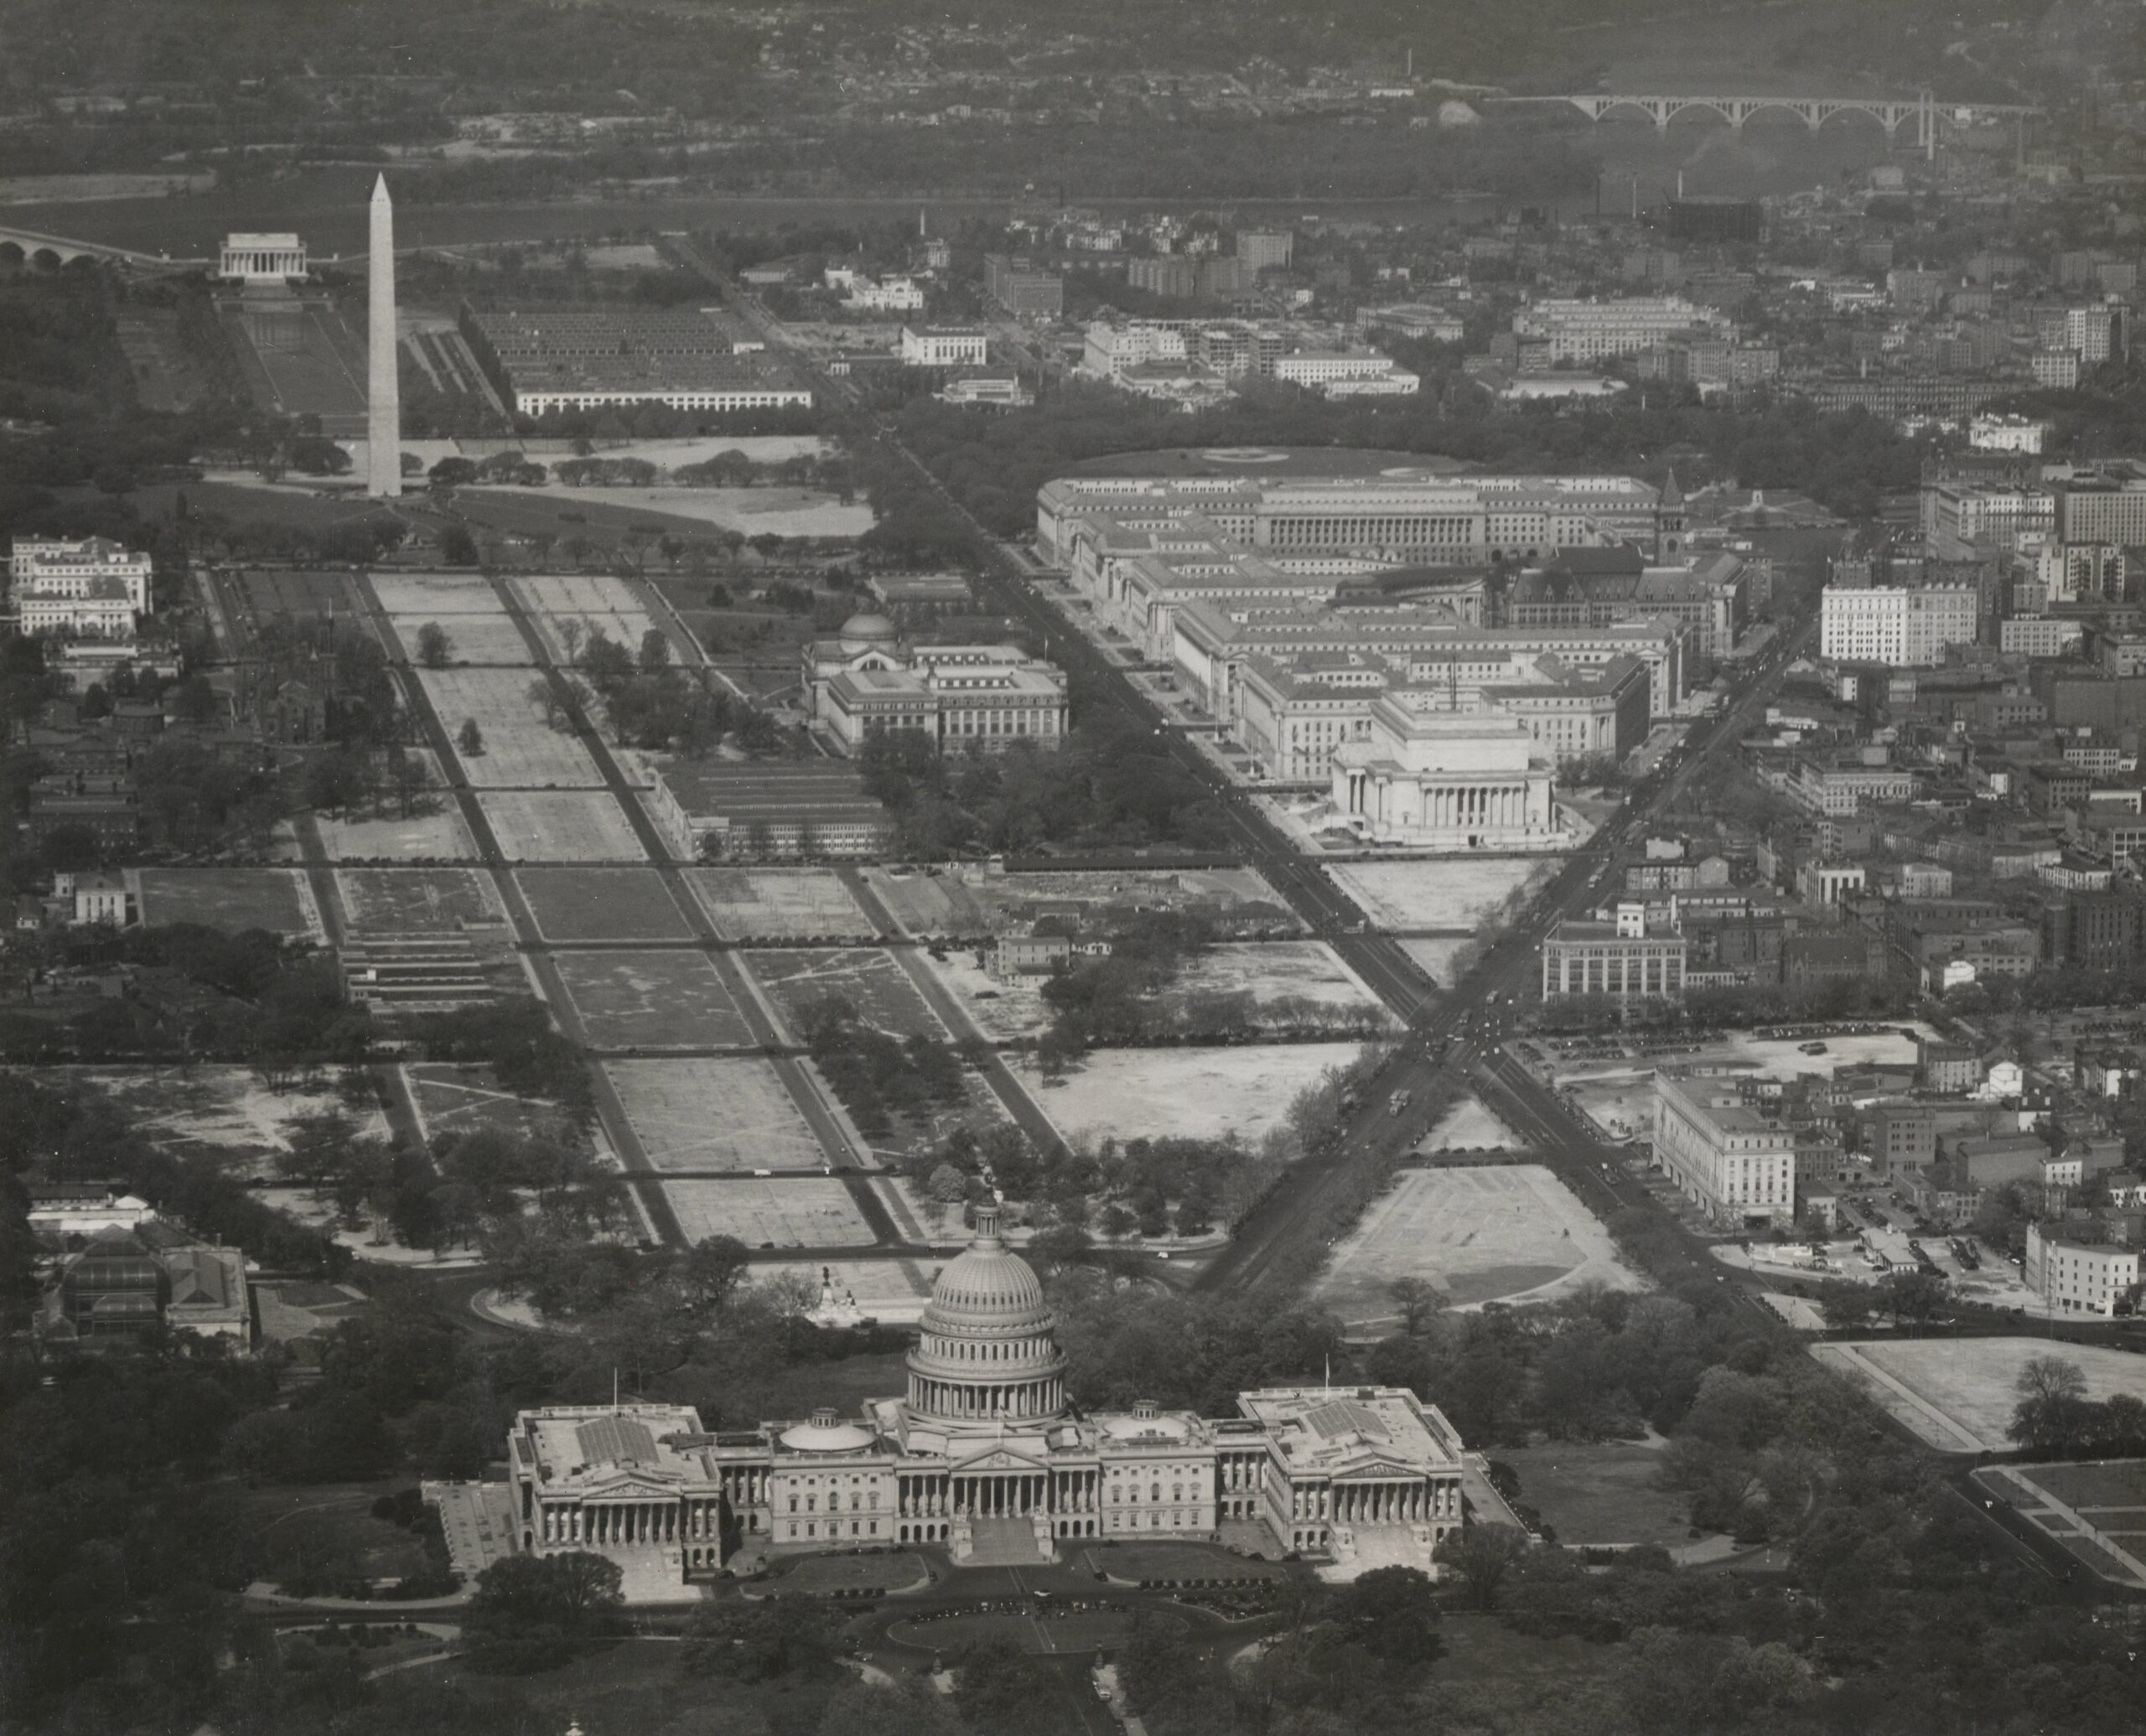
(383, 391)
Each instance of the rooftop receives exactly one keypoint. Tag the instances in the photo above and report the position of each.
(1341, 1430)
(773, 790)
(595, 1444)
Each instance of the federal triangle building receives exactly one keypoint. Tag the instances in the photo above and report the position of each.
(985, 1457)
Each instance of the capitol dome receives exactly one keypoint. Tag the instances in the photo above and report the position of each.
(869, 628)
(987, 1349)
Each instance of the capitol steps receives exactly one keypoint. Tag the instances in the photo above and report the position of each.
(1003, 1543)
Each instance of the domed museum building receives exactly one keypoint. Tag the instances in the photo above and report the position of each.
(986, 1456)
(868, 680)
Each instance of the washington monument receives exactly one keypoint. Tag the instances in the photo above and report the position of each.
(383, 395)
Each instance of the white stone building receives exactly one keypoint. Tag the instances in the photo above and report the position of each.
(1347, 374)
(2076, 1274)
(1431, 778)
(249, 258)
(1734, 1164)
(867, 680)
(985, 1458)
(945, 346)
(93, 588)
(1899, 626)
(1622, 957)
(1991, 432)
(890, 295)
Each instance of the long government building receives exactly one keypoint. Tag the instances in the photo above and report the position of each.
(986, 1456)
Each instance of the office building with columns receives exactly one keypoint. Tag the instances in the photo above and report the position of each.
(1433, 779)
(985, 1457)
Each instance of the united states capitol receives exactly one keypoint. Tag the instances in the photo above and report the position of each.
(987, 1457)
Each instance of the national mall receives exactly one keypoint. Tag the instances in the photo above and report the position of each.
(986, 1456)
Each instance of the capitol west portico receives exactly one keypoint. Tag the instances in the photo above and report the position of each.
(985, 1456)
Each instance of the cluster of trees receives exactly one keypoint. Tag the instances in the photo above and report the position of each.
(532, 1611)
(915, 526)
(1186, 1352)
(830, 471)
(1110, 785)
(1897, 1602)
(1900, 1607)
(446, 1195)
(1150, 1186)
(58, 340)
(1604, 1365)
(878, 1076)
(606, 473)
(2055, 1419)
(1130, 997)
(2050, 989)
(1188, 1185)
(1354, 1657)
(677, 1323)
(1116, 1188)
(345, 542)
(280, 1008)
(652, 702)
(1114, 997)
(125, 1552)
(513, 1037)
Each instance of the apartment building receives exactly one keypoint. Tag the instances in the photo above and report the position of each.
(1898, 626)
(1965, 521)
(2076, 1268)
(2034, 635)
(2104, 504)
